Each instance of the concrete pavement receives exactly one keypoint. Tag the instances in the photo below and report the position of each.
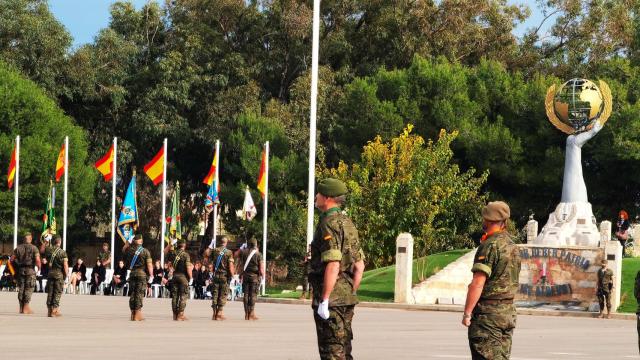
(97, 327)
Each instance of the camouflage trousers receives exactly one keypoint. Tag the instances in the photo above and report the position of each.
(55, 285)
(250, 293)
(335, 334)
(137, 289)
(179, 293)
(491, 331)
(26, 284)
(219, 292)
(604, 298)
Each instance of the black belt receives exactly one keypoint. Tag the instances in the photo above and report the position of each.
(496, 301)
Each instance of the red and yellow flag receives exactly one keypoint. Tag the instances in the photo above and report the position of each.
(155, 168)
(60, 164)
(262, 175)
(12, 169)
(212, 171)
(105, 165)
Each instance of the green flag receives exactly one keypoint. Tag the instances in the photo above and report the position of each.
(49, 217)
(174, 230)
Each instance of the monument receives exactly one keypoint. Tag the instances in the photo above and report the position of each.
(580, 109)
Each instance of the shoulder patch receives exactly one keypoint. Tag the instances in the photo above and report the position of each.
(481, 257)
(327, 237)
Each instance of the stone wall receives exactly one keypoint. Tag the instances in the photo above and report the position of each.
(558, 275)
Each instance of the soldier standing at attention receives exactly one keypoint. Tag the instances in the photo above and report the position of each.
(182, 272)
(336, 268)
(489, 312)
(58, 272)
(137, 258)
(223, 271)
(605, 286)
(252, 273)
(104, 255)
(26, 256)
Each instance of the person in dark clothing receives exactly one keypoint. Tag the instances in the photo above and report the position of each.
(78, 274)
(44, 272)
(98, 275)
(198, 280)
(622, 228)
(119, 277)
(7, 281)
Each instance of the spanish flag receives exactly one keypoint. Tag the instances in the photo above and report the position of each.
(12, 169)
(105, 165)
(60, 164)
(262, 178)
(155, 168)
(212, 171)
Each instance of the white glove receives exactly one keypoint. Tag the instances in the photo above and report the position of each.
(212, 245)
(243, 246)
(66, 281)
(323, 309)
(174, 241)
(190, 282)
(150, 279)
(48, 237)
(236, 277)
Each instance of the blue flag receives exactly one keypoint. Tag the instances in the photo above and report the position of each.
(213, 195)
(128, 221)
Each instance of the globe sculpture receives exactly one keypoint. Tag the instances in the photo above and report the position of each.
(579, 108)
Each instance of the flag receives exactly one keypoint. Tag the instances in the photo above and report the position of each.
(49, 216)
(155, 168)
(60, 164)
(249, 210)
(213, 196)
(128, 220)
(105, 165)
(262, 175)
(174, 230)
(212, 171)
(11, 175)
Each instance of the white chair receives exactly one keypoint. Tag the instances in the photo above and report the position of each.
(156, 290)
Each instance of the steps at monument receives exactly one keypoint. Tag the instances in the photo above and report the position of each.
(447, 286)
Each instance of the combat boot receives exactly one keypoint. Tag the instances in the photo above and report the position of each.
(220, 315)
(133, 315)
(49, 311)
(215, 315)
(181, 316)
(27, 310)
(252, 315)
(56, 312)
(175, 315)
(21, 308)
(138, 315)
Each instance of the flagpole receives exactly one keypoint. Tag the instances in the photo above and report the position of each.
(216, 180)
(114, 178)
(264, 215)
(15, 201)
(312, 122)
(163, 225)
(66, 184)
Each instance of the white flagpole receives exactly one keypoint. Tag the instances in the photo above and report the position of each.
(216, 180)
(15, 202)
(264, 215)
(66, 186)
(114, 178)
(312, 122)
(163, 225)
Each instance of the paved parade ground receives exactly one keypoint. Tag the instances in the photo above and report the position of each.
(97, 327)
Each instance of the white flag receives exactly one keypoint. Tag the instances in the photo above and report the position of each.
(249, 210)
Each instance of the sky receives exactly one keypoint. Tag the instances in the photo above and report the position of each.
(84, 18)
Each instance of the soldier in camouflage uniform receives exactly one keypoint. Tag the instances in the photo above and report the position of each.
(58, 272)
(605, 286)
(636, 293)
(252, 273)
(489, 312)
(104, 255)
(336, 268)
(222, 260)
(26, 256)
(182, 272)
(138, 259)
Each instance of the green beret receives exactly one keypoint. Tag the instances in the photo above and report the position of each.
(26, 233)
(332, 187)
(496, 211)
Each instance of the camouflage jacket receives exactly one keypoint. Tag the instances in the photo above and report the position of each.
(499, 258)
(26, 255)
(605, 280)
(138, 268)
(181, 261)
(56, 258)
(252, 271)
(224, 269)
(335, 239)
(104, 256)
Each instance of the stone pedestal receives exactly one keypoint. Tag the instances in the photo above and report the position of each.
(605, 231)
(613, 254)
(404, 269)
(571, 224)
(532, 231)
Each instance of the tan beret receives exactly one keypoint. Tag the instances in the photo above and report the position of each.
(496, 211)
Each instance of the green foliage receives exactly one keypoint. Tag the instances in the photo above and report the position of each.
(26, 111)
(407, 185)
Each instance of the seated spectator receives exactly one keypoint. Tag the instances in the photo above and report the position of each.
(78, 275)
(158, 273)
(198, 280)
(43, 273)
(209, 279)
(119, 277)
(98, 274)
(167, 276)
(7, 281)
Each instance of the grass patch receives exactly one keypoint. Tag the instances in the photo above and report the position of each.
(378, 284)
(630, 267)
